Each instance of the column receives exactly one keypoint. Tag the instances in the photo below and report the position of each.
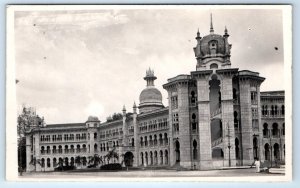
(204, 123)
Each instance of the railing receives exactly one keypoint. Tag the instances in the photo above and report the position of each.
(215, 113)
(217, 142)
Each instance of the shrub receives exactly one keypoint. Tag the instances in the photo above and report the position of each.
(112, 166)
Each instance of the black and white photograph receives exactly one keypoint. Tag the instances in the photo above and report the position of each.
(149, 93)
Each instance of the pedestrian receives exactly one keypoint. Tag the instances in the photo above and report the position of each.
(257, 165)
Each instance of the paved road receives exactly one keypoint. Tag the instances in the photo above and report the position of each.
(149, 174)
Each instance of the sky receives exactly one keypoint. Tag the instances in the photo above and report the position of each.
(75, 63)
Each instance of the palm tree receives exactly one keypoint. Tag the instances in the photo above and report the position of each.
(35, 161)
(112, 154)
(95, 160)
(78, 160)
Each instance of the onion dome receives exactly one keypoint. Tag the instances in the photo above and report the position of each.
(150, 97)
(212, 49)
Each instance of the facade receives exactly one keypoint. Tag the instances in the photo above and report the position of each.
(216, 117)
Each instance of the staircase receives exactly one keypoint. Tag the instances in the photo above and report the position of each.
(216, 114)
(280, 170)
(217, 142)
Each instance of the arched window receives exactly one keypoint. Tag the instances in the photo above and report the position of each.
(255, 148)
(48, 163)
(54, 150)
(155, 140)
(265, 130)
(166, 138)
(66, 149)
(272, 110)
(195, 151)
(132, 142)
(177, 151)
(72, 149)
(146, 142)
(96, 148)
(166, 157)
(54, 162)
(42, 150)
(142, 158)
(266, 110)
(267, 152)
(95, 136)
(150, 140)
(141, 142)
(160, 139)
(275, 129)
(161, 157)
(213, 65)
(276, 110)
(283, 129)
(276, 151)
(282, 110)
(43, 163)
(59, 149)
(234, 94)
(194, 123)
(235, 120)
(193, 98)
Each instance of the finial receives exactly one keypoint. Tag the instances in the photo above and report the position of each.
(211, 25)
(134, 105)
(124, 109)
(198, 33)
(225, 32)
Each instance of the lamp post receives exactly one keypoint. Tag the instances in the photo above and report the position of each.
(229, 146)
(270, 146)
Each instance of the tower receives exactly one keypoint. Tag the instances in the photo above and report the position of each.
(150, 97)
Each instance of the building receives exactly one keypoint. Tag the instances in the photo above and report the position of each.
(216, 117)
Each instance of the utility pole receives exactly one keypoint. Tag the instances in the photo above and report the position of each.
(270, 146)
(229, 146)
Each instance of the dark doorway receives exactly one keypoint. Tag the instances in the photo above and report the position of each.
(128, 159)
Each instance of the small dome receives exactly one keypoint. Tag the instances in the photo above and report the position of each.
(93, 118)
(150, 95)
(212, 41)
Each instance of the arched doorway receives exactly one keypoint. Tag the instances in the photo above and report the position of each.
(195, 152)
(255, 148)
(237, 148)
(142, 158)
(128, 159)
(276, 152)
(177, 151)
(267, 152)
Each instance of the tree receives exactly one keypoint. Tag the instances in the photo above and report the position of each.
(26, 120)
(112, 154)
(95, 160)
(35, 161)
(78, 160)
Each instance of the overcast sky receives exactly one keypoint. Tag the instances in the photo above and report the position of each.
(72, 64)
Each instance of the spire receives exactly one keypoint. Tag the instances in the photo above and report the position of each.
(198, 35)
(124, 109)
(150, 77)
(134, 108)
(225, 32)
(211, 25)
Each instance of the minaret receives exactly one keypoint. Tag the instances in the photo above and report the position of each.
(125, 141)
(211, 25)
(136, 138)
(227, 47)
(150, 77)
